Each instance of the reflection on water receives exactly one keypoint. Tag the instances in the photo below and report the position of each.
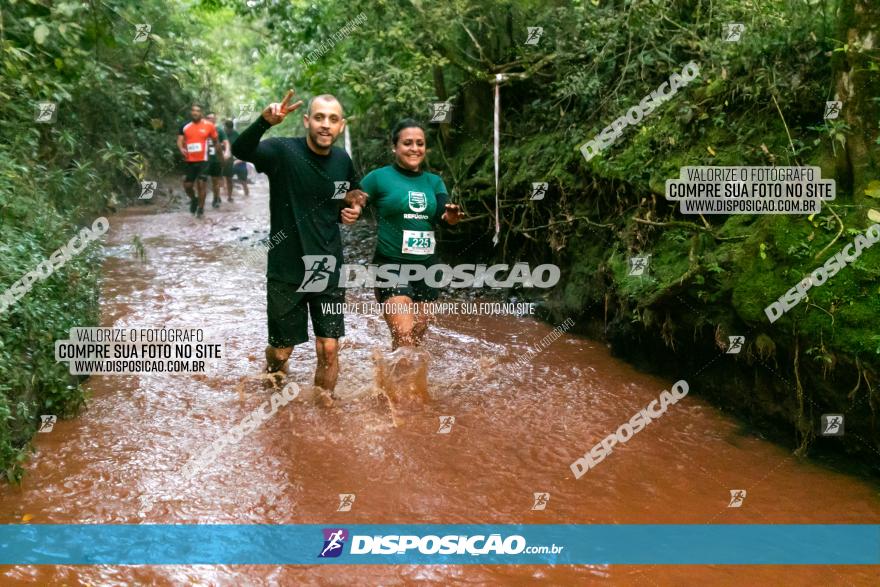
(516, 430)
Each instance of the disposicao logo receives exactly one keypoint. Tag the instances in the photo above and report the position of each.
(432, 544)
(334, 540)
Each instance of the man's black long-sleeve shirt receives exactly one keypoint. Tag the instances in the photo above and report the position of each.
(302, 185)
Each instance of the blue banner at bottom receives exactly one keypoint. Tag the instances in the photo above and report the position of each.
(421, 544)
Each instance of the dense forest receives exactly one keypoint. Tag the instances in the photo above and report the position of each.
(121, 93)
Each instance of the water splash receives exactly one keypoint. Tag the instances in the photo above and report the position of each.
(402, 377)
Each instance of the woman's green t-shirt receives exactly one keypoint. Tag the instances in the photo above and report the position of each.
(409, 206)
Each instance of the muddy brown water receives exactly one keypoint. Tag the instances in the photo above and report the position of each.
(516, 431)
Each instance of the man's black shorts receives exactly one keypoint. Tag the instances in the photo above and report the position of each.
(215, 169)
(199, 170)
(288, 311)
(417, 291)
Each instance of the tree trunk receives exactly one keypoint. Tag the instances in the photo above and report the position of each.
(856, 85)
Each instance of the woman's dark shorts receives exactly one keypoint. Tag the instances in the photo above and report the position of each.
(417, 291)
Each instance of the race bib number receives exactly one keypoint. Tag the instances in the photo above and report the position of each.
(211, 150)
(418, 242)
(194, 147)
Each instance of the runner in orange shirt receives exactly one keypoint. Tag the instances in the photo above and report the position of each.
(192, 142)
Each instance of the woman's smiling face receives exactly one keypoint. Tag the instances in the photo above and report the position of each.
(410, 148)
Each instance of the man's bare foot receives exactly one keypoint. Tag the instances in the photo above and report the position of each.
(325, 398)
(274, 363)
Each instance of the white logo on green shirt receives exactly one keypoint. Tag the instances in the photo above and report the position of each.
(418, 202)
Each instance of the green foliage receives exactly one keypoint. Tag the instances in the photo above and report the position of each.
(119, 104)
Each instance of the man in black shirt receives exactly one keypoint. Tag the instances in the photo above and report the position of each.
(310, 190)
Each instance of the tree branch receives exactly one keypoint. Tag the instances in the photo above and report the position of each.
(691, 226)
(566, 221)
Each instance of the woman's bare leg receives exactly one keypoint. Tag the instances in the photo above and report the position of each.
(401, 321)
(421, 322)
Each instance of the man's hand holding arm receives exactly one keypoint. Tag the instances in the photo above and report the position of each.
(355, 201)
(351, 214)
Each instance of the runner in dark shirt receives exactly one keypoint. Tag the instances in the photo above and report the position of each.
(229, 165)
(310, 190)
(217, 155)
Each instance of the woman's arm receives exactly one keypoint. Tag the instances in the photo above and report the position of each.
(440, 212)
(448, 214)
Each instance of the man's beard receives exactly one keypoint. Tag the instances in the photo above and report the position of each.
(316, 139)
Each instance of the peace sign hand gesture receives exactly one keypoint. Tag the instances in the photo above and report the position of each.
(275, 112)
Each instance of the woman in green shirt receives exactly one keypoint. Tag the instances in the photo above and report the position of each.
(409, 204)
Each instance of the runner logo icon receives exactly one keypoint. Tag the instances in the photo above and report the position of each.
(318, 269)
(141, 32)
(47, 422)
(446, 423)
(539, 190)
(732, 32)
(45, 112)
(735, 344)
(346, 500)
(147, 189)
(334, 541)
(534, 34)
(832, 424)
(541, 500)
(637, 265)
(341, 188)
(442, 112)
(737, 497)
(832, 109)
